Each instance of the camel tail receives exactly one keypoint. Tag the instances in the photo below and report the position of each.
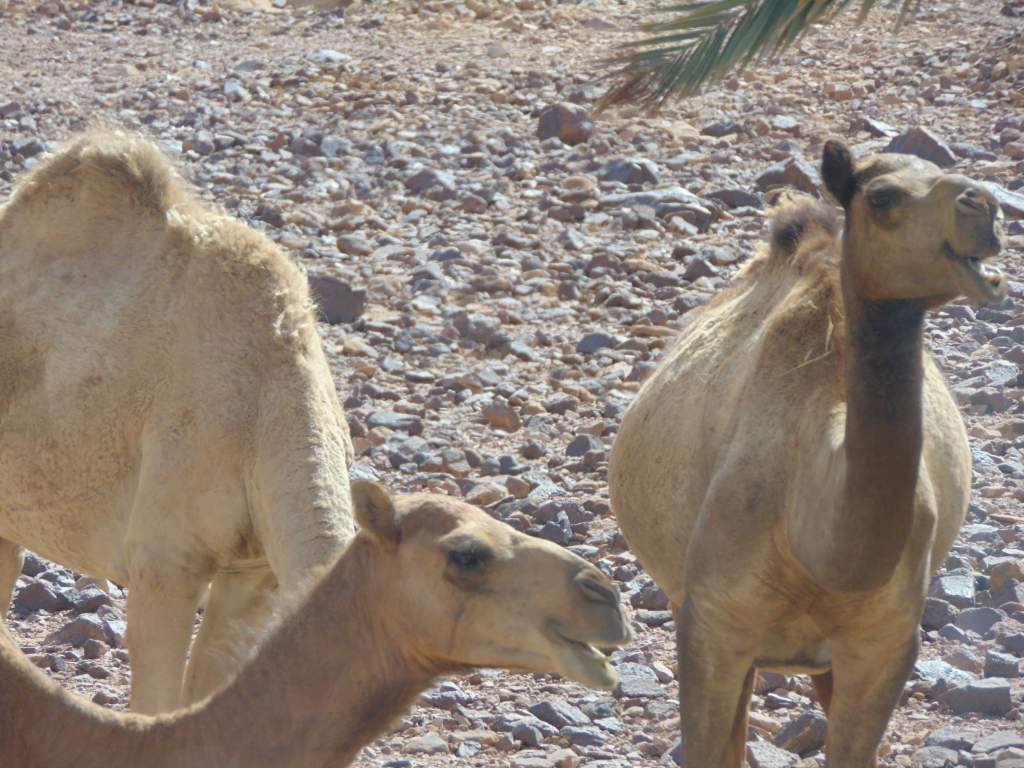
(797, 221)
(111, 169)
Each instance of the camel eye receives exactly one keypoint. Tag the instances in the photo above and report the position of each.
(884, 199)
(468, 559)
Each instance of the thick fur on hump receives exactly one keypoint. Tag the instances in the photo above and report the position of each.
(114, 168)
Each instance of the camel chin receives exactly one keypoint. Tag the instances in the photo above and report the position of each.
(582, 662)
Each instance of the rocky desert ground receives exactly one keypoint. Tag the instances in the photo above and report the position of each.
(500, 268)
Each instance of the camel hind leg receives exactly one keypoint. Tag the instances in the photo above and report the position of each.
(11, 559)
(239, 608)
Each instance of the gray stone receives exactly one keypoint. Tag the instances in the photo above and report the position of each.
(979, 620)
(762, 754)
(594, 342)
(429, 178)
(40, 596)
(583, 444)
(937, 613)
(1001, 665)
(426, 744)
(627, 170)
(934, 757)
(934, 670)
(559, 713)
(803, 734)
(336, 300)
(736, 198)
(401, 422)
(793, 172)
(956, 588)
(638, 681)
(997, 741)
(89, 599)
(990, 696)
(88, 626)
(924, 144)
(584, 737)
(951, 738)
(1014, 643)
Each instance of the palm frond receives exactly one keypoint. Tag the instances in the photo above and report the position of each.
(703, 41)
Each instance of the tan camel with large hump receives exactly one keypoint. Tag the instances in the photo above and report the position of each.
(428, 587)
(795, 469)
(167, 415)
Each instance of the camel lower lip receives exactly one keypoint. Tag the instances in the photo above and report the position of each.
(986, 281)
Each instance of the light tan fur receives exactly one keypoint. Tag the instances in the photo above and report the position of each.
(167, 415)
(780, 499)
(430, 586)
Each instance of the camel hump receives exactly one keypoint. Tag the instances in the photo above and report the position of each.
(798, 220)
(111, 170)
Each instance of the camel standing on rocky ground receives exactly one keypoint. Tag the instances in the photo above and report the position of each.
(167, 415)
(430, 586)
(796, 468)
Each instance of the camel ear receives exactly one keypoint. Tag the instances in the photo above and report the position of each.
(837, 171)
(375, 512)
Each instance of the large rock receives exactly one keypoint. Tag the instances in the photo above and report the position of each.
(934, 757)
(40, 596)
(630, 171)
(979, 620)
(937, 613)
(986, 697)
(568, 122)
(337, 301)
(924, 144)
(997, 741)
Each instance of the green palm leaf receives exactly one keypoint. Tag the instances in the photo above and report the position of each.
(704, 41)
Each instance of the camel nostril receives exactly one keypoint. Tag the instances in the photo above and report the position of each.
(596, 590)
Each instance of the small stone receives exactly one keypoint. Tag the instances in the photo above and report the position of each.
(94, 649)
(951, 738)
(697, 268)
(803, 734)
(594, 342)
(923, 143)
(400, 422)
(583, 444)
(559, 713)
(568, 122)
(354, 245)
(793, 172)
(89, 600)
(336, 300)
(719, 128)
(956, 588)
(427, 179)
(630, 171)
(763, 754)
(427, 744)
(501, 415)
(638, 681)
(937, 613)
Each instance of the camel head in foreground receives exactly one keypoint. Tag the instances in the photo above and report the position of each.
(796, 468)
(469, 591)
(429, 586)
(914, 231)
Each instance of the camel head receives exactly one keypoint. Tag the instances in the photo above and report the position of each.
(914, 231)
(466, 590)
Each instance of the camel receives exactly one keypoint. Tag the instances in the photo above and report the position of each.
(795, 468)
(167, 415)
(429, 586)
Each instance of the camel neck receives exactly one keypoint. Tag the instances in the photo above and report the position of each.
(327, 682)
(884, 379)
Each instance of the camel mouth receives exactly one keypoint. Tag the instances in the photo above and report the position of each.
(987, 284)
(585, 662)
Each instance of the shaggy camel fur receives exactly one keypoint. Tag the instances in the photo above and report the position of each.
(167, 415)
(428, 587)
(795, 469)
